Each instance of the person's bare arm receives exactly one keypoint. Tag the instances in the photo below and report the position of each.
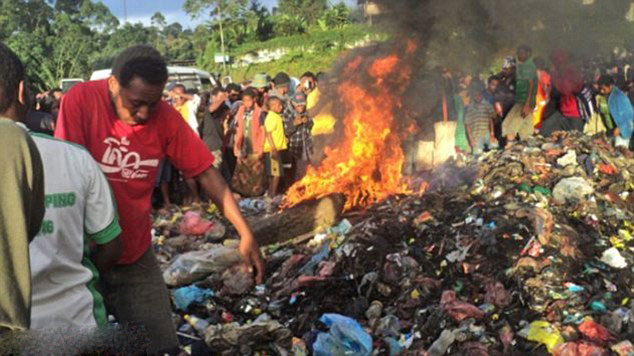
(107, 255)
(492, 131)
(470, 136)
(269, 138)
(217, 189)
(215, 104)
(526, 110)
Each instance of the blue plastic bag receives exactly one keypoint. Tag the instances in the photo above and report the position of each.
(345, 337)
(185, 296)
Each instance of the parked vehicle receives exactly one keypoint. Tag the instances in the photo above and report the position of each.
(192, 78)
(67, 83)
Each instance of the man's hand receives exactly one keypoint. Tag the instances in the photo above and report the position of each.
(298, 121)
(216, 188)
(526, 110)
(252, 257)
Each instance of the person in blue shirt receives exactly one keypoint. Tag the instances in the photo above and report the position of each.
(620, 109)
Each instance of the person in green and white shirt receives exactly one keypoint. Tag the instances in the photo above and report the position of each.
(80, 212)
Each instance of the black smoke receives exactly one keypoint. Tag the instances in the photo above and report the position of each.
(472, 36)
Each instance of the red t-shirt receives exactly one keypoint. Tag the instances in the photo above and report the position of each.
(129, 155)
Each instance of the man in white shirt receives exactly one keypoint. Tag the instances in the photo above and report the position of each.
(80, 212)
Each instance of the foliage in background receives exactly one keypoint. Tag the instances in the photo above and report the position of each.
(71, 38)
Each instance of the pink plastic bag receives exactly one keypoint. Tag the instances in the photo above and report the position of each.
(497, 295)
(194, 224)
(457, 309)
(579, 349)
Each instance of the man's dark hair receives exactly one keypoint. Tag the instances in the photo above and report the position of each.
(140, 61)
(251, 91)
(234, 87)
(11, 74)
(525, 48)
(281, 78)
(310, 75)
(181, 86)
(218, 90)
(492, 78)
(606, 80)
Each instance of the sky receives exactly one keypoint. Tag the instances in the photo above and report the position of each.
(142, 10)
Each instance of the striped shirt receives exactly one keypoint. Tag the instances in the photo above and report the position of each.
(477, 119)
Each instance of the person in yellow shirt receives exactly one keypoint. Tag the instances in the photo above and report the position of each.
(274, 143)
(320, 110)
(187, 105)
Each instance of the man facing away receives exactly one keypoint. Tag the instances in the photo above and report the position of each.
(79, 210)
(519, 120)
(21, 197)
(128, 129)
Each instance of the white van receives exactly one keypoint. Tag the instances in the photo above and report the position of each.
(67, 83)
(191, 78)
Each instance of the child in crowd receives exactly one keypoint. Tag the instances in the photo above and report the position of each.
(274, 142)
(479, 120)
(248, 178)
(300, 141)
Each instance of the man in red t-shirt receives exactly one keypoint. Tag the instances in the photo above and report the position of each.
(128, 129)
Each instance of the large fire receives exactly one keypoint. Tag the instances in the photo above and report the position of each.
(366, 165)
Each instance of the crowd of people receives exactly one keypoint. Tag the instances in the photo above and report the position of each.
(259, 133)
(86, 194)
(529, 97)
(75, 229)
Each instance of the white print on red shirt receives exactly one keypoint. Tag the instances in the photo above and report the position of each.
(117, 158)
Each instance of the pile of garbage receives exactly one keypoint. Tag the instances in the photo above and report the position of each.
(529, 250)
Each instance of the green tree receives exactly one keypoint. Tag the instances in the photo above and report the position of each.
(336, 17)
(220, 11)
(288, 25)
(158, 20)
(309, 10)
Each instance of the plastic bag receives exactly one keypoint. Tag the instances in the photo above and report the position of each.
(194, 265)
(544, 333)
(595, 332)
(194, 224)
(237, 280)
(573, 188)
(345, 337)
(457, 309)
(184, 297)
(579, 349)
(234, 336)
(497, 295)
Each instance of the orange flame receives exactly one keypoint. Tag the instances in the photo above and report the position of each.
(366, 166)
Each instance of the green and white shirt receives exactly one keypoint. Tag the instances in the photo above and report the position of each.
(79, 209)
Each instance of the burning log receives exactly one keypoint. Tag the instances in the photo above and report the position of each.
(300, 219)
